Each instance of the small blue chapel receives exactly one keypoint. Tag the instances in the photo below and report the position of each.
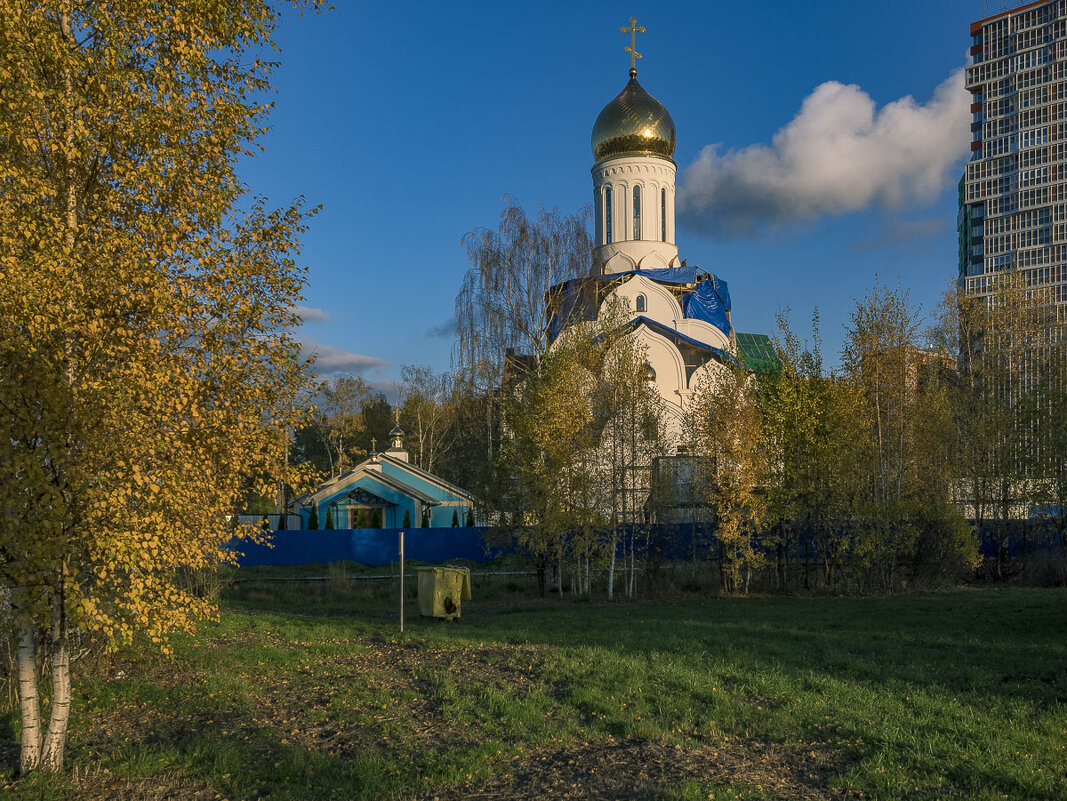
(383, 488)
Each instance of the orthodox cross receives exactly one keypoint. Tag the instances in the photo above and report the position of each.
(373, 446)
(633, 30)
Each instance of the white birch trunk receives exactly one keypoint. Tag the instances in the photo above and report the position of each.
(633, 565)
(611, 570)
(29, 702)
(56, 738)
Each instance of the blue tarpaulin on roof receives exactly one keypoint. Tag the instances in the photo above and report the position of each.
(666, 275)
(723, 290)
(707, 304)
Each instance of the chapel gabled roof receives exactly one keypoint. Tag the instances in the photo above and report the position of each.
(363, 469)
(426, 476)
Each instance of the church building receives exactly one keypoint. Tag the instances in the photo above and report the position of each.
(681, 314)
(387, 491)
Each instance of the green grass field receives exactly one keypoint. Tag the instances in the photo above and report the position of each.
(308, 691)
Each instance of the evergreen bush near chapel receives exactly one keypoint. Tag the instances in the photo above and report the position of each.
(455, 518)
(425, 518)
(407, 519)
(313, 518)
(329, 518)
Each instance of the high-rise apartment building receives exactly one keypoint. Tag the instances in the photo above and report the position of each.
(1013, 196)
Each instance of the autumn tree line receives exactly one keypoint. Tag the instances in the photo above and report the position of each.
(935, 446)
(890, 470)
(937, 438)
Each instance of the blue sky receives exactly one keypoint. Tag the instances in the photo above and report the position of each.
(409, 122)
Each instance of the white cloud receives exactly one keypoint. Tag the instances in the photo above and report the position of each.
(329, 359)
(839, 154)
(311, 314)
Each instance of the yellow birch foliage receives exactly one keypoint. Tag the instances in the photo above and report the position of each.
(144, 310)
(729, 432)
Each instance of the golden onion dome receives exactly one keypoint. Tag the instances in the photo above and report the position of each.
(634, 122)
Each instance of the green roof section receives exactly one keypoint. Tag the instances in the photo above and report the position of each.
(756, 352)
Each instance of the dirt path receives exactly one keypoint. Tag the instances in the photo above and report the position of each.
(636, 770)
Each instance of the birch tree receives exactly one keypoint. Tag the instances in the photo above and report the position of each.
(504, 304)
(1007, 401)
(144, 318)
(545, 457)
(1047, 461)
(728, 432)
(878, 359)
(631, 416)
(339, 421)
(793, 406)
(505, 310)
(426, 414)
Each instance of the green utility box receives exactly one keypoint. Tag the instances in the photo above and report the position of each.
(441, 589)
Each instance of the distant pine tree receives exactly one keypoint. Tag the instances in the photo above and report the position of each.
(329, 518)
(313, 518)
(407, 519)
(455, 518)
(470, 518)
(361, 519)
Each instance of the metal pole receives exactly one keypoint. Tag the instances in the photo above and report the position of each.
(401, 582)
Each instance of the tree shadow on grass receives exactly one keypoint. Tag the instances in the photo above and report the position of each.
(959, 643)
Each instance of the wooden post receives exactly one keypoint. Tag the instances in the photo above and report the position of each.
(401, 582)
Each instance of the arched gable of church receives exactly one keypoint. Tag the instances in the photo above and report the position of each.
(706, 376)
(666, 362)
(704, 332)
(619, 263)
(653, 261)
(660, 303)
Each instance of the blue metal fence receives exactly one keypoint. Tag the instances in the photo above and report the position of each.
(376, 546)
(481, 544)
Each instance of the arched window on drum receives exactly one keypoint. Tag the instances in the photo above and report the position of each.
(663, 215)
(607, 215)
(637, 212)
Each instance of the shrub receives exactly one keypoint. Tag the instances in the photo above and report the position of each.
(329, 517)
(313, 518)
